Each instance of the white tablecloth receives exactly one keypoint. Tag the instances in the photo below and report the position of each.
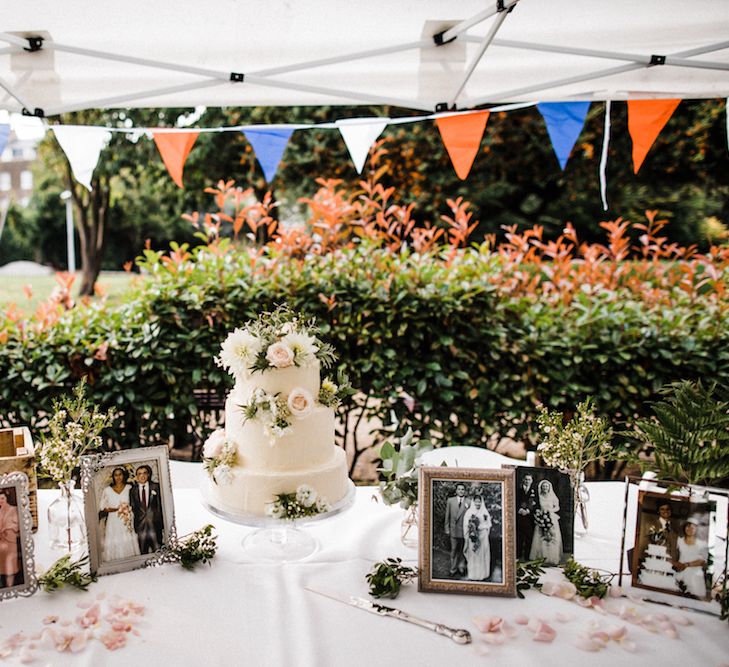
(241, 612)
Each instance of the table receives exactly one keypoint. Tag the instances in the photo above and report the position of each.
(240, 612)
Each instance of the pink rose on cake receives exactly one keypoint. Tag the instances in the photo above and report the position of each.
(280, 355)
(213, 446)
(300, 403)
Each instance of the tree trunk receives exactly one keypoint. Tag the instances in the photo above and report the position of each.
(91, 211)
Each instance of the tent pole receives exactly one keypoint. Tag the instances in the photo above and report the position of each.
(462, 26)
(14, 95)
(22, 42)
(109, 101)
(530, 90)
(477, 57)
(311, 64)
(143, 62)
(365, 98)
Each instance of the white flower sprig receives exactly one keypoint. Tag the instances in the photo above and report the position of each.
(74, 429)
(291, 506)
(573, 446)
(219, 456)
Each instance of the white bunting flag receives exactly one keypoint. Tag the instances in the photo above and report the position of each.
(82, 146)
(359, 134)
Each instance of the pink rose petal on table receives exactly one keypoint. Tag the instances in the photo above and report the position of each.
(52, 618)
(628, 645)
(600, 636)
(563, 618)
(26, 656)
(617, 632)
(521, 619)
(587, 644)
(488, 623)
(544, 633)
(114, 640)
(91, 617)
(84, 604)
(64, 623)
(684, 620)
(494, 638)
(508, 630)
(584, 602)
(616, 591)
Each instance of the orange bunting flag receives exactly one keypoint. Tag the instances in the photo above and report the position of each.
(646, 119)
(462, 138)
(174, 147)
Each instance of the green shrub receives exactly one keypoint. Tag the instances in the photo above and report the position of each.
(435, 344)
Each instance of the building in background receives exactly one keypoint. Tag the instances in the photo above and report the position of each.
(16, 177)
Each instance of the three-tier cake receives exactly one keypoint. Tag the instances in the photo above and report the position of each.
(279, 418)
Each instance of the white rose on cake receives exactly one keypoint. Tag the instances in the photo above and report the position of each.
(213, 446)
(303, 346)
(280, 355)
(306, 495)
(239, 351)
(300, 403)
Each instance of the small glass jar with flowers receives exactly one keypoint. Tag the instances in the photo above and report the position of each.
(74, 429)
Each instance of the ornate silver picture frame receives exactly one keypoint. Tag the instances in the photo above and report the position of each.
(467, 531)
(17, 564)
(129, 508)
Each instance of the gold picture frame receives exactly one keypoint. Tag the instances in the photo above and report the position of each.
(467, 546)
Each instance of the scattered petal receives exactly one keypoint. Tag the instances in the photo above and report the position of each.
(564, 618)
(26, 656)
(114, 640)
(544, 633)
(616, 591)
(50, 619)
(600, 636)
(508, 630)
(488, 623)
(617, 632)
(494, 638)
(521, 619)
(684, 620)
(628, 645)
(587, 644)
(84, 604)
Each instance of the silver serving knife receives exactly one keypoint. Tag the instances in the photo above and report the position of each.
(456, 634)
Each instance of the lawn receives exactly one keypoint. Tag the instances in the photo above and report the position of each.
(111, 283)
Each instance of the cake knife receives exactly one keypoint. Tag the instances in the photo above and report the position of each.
(456, 634)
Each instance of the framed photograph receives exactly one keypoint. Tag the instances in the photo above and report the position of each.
(544, 515)
(17, 566)
(129, 508)
(467, 531)
(677, 539)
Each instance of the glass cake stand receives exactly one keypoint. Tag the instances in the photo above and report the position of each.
(277, 540)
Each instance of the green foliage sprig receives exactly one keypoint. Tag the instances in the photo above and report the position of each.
(75, 428)
(65, 572)
(306, 502)
(197, 547)
(400, 471)
(387, 577)
(587, 581)
(687, 437)
(528, 574)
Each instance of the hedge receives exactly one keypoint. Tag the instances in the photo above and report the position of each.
(443, 344)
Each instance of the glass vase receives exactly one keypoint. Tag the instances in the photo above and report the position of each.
(409, 527)
(66, 524)
(582, 498)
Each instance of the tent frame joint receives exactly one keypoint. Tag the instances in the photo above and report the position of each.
(443, 106)
(501, 6)
(34, 44)
(36, 113)
(237, 77)
(439, 41)
(657, 60)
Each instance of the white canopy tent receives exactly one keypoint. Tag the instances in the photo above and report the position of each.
(314, 52)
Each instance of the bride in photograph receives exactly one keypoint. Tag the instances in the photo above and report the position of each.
(477, 548)
(120, 540)
(547, 540)
(692, 558)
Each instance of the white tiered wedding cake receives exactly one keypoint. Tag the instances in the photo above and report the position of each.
(279, 420)
(657, 571)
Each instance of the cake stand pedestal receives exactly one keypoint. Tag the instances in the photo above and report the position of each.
(277, 540)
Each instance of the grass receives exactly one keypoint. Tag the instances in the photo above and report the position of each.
(112, 283)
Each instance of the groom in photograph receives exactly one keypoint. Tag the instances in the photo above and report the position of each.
(146, 504)
(456, 507)
(526, 504)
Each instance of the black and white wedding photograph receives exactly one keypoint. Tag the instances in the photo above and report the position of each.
(544, 515)
(674, 544)
(467, 530)
(128, 508)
